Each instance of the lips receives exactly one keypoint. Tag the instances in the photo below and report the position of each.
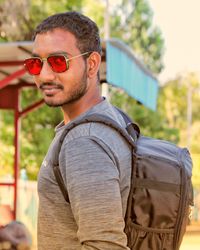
(50, 90)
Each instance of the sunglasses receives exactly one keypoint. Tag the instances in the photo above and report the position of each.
(59, 63)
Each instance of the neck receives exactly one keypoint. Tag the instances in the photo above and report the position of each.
(73, 110)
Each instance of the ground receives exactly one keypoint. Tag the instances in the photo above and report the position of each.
(191, 240)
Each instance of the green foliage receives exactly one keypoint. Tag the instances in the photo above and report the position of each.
(41, 9)
(196, 171)
(18, 25)
(174, 102)
(175, 105)
(37, 131)
(6, 142)
(132, 22)
(2, 40)
(151, 123)
(95, 10)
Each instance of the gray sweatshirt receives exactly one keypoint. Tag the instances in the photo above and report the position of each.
(95, 162)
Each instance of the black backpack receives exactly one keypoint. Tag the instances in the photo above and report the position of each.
(161, 192)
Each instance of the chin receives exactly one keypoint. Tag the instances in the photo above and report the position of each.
(53, 103)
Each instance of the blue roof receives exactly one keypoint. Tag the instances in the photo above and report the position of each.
(126, 72)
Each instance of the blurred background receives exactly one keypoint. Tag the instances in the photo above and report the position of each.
(162, 35)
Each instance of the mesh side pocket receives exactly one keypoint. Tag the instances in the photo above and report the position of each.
(140, 238)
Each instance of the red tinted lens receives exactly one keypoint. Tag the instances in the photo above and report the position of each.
(58, 63)
(33, 65)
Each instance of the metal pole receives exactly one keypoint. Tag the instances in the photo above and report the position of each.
(107, 21)
(104, 88)
(189, 115)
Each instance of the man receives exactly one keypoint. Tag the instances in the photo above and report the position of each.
(95, 162)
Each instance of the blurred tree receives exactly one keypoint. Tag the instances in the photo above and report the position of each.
(132, 22)
(6, 142)
(175, 103)
(95, 10)
(18, 25)
(151, 123)
(37, 131)
(175, 107)
(196, 171)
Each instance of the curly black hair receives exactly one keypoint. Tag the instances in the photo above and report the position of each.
(83, 28)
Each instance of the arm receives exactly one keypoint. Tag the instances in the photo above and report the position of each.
(92, 180)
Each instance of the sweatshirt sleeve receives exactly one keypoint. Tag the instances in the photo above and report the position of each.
(92, 180)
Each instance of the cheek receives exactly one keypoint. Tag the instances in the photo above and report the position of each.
(69, 78)
(76, 69)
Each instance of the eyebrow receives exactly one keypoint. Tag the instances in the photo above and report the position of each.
(54, 53)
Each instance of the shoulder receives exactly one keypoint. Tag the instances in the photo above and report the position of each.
(92, 140)
(97, 130)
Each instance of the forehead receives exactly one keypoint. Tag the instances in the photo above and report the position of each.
(54, 41)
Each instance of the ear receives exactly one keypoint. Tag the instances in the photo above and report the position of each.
(94, 61)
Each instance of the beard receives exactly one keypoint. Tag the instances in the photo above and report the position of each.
(73, 96)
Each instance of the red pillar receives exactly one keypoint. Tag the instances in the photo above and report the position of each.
(10, 99)
(17, 151)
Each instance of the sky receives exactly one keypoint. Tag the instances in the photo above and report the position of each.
(179, 21)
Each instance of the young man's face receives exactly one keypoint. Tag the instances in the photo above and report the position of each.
(66, 87)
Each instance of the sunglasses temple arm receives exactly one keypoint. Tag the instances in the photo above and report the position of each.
(68, 59)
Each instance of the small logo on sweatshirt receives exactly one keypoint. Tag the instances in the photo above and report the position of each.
(44, 163)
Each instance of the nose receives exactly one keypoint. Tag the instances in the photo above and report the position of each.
(46, 74)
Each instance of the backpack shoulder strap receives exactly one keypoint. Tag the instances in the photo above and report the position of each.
(131, 127)
(130, 134)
